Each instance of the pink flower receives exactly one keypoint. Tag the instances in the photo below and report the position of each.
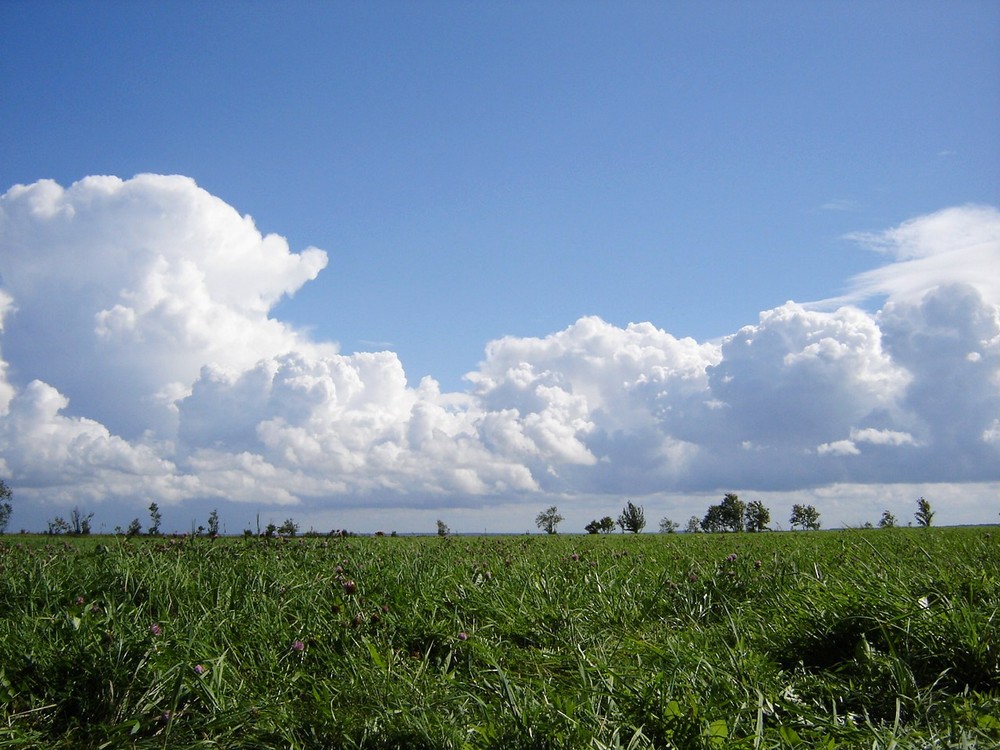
(350, 587)
(199, 670)
(463, 636)
(298, 645)
(155, 630)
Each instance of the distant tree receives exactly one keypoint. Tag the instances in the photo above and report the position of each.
(693, 525)
(713, 520)
(443, 529)
(6, 508)
(733, 512)
(805, 516)
(134, 528)
(155, 519)
(667, 526)
(757, 516)
(213, 523)
(633, 518)
(549, 520)
(726, 516)
(57, 525)
(288, 528)
(79, 522)
(924, 514)
(603, 526)
(887, 521)
(270, 530)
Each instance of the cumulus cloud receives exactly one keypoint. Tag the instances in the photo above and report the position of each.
(140, 359)
(124, 289)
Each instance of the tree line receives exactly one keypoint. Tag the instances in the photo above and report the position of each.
(730, 515)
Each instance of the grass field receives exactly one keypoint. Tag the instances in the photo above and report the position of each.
(840, 639)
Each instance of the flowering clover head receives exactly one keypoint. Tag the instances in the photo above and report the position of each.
(463, 636)
(199, 670)
(155, 630)
(731, 557)
(298, 645)
(350, 587)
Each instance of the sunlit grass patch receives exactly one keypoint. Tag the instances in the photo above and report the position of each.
(694, 641)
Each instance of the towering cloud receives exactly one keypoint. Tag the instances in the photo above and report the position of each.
(140, 361)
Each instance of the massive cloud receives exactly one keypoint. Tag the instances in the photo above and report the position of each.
(140, 362)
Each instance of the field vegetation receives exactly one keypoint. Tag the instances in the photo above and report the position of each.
(875, 638)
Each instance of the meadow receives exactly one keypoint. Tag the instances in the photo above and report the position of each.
(835, 639)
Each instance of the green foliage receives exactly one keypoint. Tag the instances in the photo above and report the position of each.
(757, 516)
(603, 526)
(6, 507)
(667, 526)
(213, 524)
(442, 528)
(548, 520)
(838, 639)
(924, 514)
(632, 518)
(729, 515)
(79, 522)
(805, 516)
(887, 521)
(155, 519)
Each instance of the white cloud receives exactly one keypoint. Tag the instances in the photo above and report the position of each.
(839, 448)
(882, 437)
(140, 283)
(955, 245)
(213, 400)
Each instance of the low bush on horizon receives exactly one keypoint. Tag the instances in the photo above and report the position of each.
(832, 639)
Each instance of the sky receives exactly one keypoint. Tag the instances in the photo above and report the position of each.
(370, 265)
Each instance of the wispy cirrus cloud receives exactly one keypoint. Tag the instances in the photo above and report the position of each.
(959, 245)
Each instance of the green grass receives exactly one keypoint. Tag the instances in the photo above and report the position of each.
(866, 639)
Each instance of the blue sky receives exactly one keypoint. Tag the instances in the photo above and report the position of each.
(475, 171)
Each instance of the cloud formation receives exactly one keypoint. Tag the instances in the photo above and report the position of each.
(140, 361)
